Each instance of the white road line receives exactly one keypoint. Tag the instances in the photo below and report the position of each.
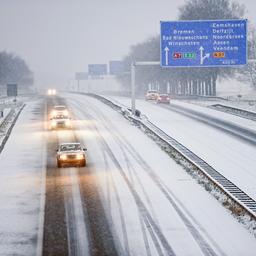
(40, 233)
(79, 215)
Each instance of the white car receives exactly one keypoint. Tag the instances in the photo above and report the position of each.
(71, 154)
(151, 95)
(59, 110)
(60, 121)
(51, 92)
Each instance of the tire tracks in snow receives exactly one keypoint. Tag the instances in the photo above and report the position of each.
(205, 247)
(147, 217)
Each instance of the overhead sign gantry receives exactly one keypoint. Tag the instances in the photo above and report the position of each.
(116, 67)
(203, 43)
(97, 69)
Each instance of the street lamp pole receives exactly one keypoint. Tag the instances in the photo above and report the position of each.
(133, 86)
(133, 73)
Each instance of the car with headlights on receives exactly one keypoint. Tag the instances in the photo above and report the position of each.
(151, 95)
(60, 122)
(71, 154)
(163, 98)
(59, 110)
(51, 92)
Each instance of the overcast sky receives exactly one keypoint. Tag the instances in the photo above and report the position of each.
(59, 37)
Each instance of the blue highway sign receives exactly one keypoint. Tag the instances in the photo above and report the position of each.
(116, 67)
(203, 43)
(97, 69)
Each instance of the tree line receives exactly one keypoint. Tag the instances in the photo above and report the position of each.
(14, 69)
(188, 81)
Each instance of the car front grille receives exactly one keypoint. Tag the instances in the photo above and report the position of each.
(71, 156)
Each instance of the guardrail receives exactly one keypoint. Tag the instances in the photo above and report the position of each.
(235, 111)
(3, 119)
(7, 124)
(240, 198)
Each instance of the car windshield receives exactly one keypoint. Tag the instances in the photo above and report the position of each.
(152, 91)
(70, 147)
(60, 117)
(59, 108)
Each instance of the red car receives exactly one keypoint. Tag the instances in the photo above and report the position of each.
(163, 98)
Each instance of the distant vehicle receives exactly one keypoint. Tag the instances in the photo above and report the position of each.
(59, 111)
(163, 98)
(151, 95)
(60, 121)
(51, 92)
(71, 154)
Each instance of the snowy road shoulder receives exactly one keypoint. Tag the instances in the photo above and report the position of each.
(20, 185)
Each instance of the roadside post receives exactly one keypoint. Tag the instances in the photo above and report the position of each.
(133, 79)
(80, 76)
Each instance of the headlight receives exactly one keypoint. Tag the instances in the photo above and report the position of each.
(54, 113)
(63, 157)
(54, 123)
(79, 156)
(67, 123)
(49, 92)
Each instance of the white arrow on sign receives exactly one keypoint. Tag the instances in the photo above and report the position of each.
(166, 49)
(202, 56)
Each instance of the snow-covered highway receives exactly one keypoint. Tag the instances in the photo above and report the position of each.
(228, 154)
(155, 183)
(130, 199)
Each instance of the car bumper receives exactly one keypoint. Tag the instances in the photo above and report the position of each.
(72, 161)
(151, 97)
(60, 126)
(163, 101)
